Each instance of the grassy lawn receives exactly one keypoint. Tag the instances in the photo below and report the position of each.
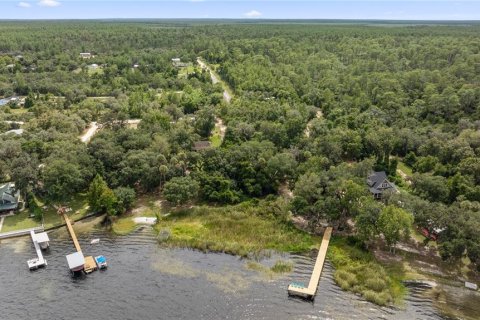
(402, 166)
(21, 220)
(92, 71)
(215, 138)
(185, 71)
(123, 226)
(234, 230)
(78, 203)
(102, 99)
(18, 111)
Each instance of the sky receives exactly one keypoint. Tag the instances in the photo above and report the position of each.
(247, 9)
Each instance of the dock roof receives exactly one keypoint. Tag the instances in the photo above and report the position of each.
(75, 260)
(41, 237)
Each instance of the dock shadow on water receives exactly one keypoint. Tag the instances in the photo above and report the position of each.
(147, 281)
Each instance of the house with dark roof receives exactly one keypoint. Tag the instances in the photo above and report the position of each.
(378, 184)
(9, 197)
(201, 145)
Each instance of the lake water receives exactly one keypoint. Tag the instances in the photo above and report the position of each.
(147, 281)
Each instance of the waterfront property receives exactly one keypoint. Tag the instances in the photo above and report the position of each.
(378, 184)
(309, 292)
(9, 198)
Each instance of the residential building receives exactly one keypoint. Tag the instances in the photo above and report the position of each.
(201, 145)
(9, 197)
(378, 184)
(86, 55)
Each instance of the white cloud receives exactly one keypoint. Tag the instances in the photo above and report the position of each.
(253, 14)
(24, 5)
(48, 3)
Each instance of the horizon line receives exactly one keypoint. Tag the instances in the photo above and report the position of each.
(244, 19)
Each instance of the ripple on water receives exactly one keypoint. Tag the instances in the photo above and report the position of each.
(146, 281)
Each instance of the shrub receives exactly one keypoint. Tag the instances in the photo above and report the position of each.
(34, 208)
(376, 284)
(378, 298)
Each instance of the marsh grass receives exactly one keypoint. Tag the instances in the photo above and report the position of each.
(234, 230)
(358, 271)
(281, 266)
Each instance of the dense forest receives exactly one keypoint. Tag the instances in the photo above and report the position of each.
(316, 108)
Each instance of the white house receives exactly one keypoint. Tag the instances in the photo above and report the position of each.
(86, 55)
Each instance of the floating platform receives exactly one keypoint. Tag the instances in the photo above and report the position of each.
(90, 264)
(298, 289)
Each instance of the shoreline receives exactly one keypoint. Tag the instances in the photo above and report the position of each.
(191, 227)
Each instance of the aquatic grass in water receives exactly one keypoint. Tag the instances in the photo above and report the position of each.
(280, 267)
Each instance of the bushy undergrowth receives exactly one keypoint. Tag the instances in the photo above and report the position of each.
(358, 272)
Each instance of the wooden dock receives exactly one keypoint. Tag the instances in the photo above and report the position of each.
(90, 264)
(72, 233)
(309, 292)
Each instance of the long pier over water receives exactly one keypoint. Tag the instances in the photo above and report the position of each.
(309, 292)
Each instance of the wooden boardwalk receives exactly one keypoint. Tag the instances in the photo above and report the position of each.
(309, 292)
